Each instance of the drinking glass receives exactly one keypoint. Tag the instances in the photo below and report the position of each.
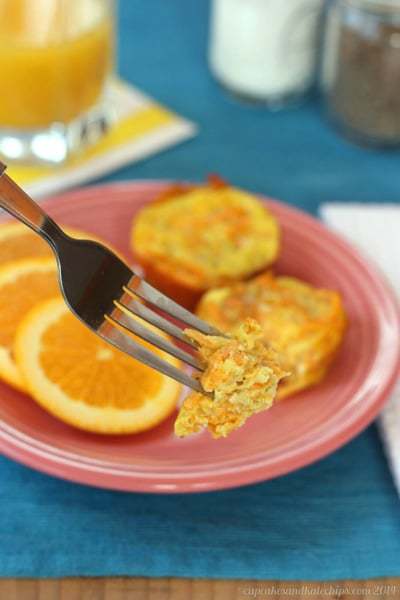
(56, 60)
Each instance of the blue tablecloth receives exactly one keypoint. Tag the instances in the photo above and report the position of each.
(339, 518)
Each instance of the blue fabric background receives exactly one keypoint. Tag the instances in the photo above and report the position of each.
(338, 518)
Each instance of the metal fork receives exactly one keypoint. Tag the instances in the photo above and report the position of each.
(106, 295)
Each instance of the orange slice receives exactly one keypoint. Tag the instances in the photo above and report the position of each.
(18, 242)
(85, 382)
(23, 283)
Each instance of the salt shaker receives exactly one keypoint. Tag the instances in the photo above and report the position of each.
(265, 50)
(361, 70)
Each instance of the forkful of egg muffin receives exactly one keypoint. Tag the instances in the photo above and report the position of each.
(241, 378)
(211, 248)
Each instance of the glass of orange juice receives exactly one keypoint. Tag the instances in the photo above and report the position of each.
(56, 59)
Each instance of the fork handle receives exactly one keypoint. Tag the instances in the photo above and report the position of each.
(16, 202)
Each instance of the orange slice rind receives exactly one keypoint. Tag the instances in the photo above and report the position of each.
(23, 283)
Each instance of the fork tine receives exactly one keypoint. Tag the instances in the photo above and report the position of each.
(147, 292)
(110, 332)
(139, 309)
(122, 317)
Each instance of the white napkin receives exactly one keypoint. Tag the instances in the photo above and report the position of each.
(375, 230)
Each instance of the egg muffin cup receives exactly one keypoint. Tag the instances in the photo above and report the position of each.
(305, 325)
(194, 238)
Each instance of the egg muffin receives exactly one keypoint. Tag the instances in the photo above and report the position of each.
(241, 375)
(194, 238)
(303, 324)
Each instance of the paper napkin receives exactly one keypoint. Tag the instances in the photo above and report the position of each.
(141, 128)
(375, 229)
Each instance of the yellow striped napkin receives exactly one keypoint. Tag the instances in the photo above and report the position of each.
(142, 127)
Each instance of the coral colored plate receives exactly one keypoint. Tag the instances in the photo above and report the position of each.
(292, 434)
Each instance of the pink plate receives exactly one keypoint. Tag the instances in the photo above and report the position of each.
(294, 433)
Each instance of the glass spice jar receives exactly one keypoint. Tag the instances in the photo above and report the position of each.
(361, 69)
